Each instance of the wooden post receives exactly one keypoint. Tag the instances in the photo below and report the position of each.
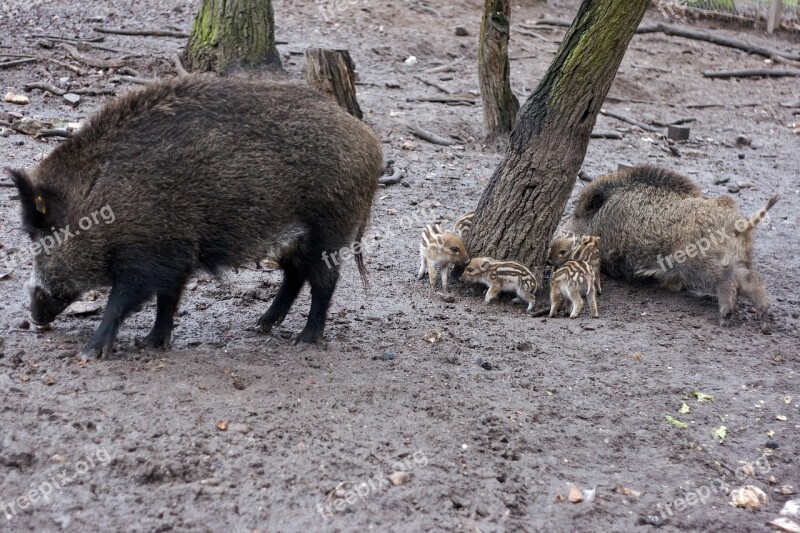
(774, 18)
(332, 73)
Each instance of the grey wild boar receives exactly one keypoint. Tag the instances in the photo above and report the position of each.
(502, 276)
(201, 173)
(439, 250)
(655, 223)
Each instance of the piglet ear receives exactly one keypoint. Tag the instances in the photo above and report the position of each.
(485, 264)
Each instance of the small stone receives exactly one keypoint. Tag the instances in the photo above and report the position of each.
(210, 482)
(678, 133)
(791, 508)
(486, 365)
(461, 31)
(238, 384)
(575, 494)
(652, 520)
(749, 497)
(784, 524)
(772, 444)
(432, 336)
(244, 429)
(72, 99)
(721, 181)
(772, 480)
(399, 478)
(23, 324)
(733, 189)
(446, 298)
(48, 380)
(19, 99)
(387, 356)
(57, 458)
(222, 425)
(741, 140)
(84, 308)
(741, 156)
(411, 60)
(786, 490)
(524, 347)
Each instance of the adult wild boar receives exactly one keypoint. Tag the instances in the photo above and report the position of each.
(655, 223)
(200, 173)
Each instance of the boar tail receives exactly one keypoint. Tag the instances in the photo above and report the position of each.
(753, 222)
(358, 255)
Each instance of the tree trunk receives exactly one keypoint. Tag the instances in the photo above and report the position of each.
(523, 202)
(229, 34)
(332, 73)
(500, 106)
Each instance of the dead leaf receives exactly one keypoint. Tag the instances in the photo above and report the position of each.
(433, 336)
(399, 478)
(19, 99)
(749, 497)
(222, 425)
(575, 494)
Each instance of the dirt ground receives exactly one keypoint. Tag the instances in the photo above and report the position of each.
(494, 422)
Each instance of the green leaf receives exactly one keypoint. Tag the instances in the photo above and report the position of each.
(720, 433)
(702, 398)
(684, 408)
(677, 423)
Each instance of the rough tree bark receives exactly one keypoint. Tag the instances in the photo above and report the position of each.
(522, 203)
(500, 105)
(229, 34)
(332, 73)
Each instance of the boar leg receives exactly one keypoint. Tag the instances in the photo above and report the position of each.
(555, 300)
(166, 306)
(292, 283)
(591, 297)
(323, 284)
(577, 302)
(726, 294)
(445, 270)
(753, 288)
(124, 298)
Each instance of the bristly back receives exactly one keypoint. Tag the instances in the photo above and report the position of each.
(594, 195)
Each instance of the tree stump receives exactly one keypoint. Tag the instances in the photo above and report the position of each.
(332, 73)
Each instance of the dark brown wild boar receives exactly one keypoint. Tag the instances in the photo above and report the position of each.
(655, 223)
(200, 173)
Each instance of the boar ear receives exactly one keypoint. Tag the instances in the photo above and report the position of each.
(591, 203)
(39, 208)
(440, 239)
(485, 264)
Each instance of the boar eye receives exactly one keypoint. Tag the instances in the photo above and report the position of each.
(562, 252)
(454, 249)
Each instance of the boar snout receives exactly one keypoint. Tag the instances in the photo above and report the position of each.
(45, 307)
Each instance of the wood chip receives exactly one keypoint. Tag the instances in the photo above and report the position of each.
(19, 99)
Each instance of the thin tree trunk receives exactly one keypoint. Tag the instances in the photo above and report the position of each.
(522, 203)
(229, 34)
(500, 106)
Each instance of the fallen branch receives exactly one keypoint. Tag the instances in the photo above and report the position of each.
(462, 100)
(623, 118)
(434, 85)
(98, 39)
(176, 58)
(751, 73)
(136, 79)
(394, 179)
(73, 68)
(533, 34)
(18, 62)
(431, 137)
(42, 86)
(795, 103)
(54, 132)
(784, 61)
(677, 122)
(94, 63)
(147, 33)
(606, 135)
(89, 91)
(679, 31)
(449, 67)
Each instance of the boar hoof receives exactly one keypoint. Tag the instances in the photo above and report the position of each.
(766, 325)
(153, 341)
(308, 336)
(725, 321)
(95, 349)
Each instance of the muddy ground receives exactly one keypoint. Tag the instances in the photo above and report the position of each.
(131, 443)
